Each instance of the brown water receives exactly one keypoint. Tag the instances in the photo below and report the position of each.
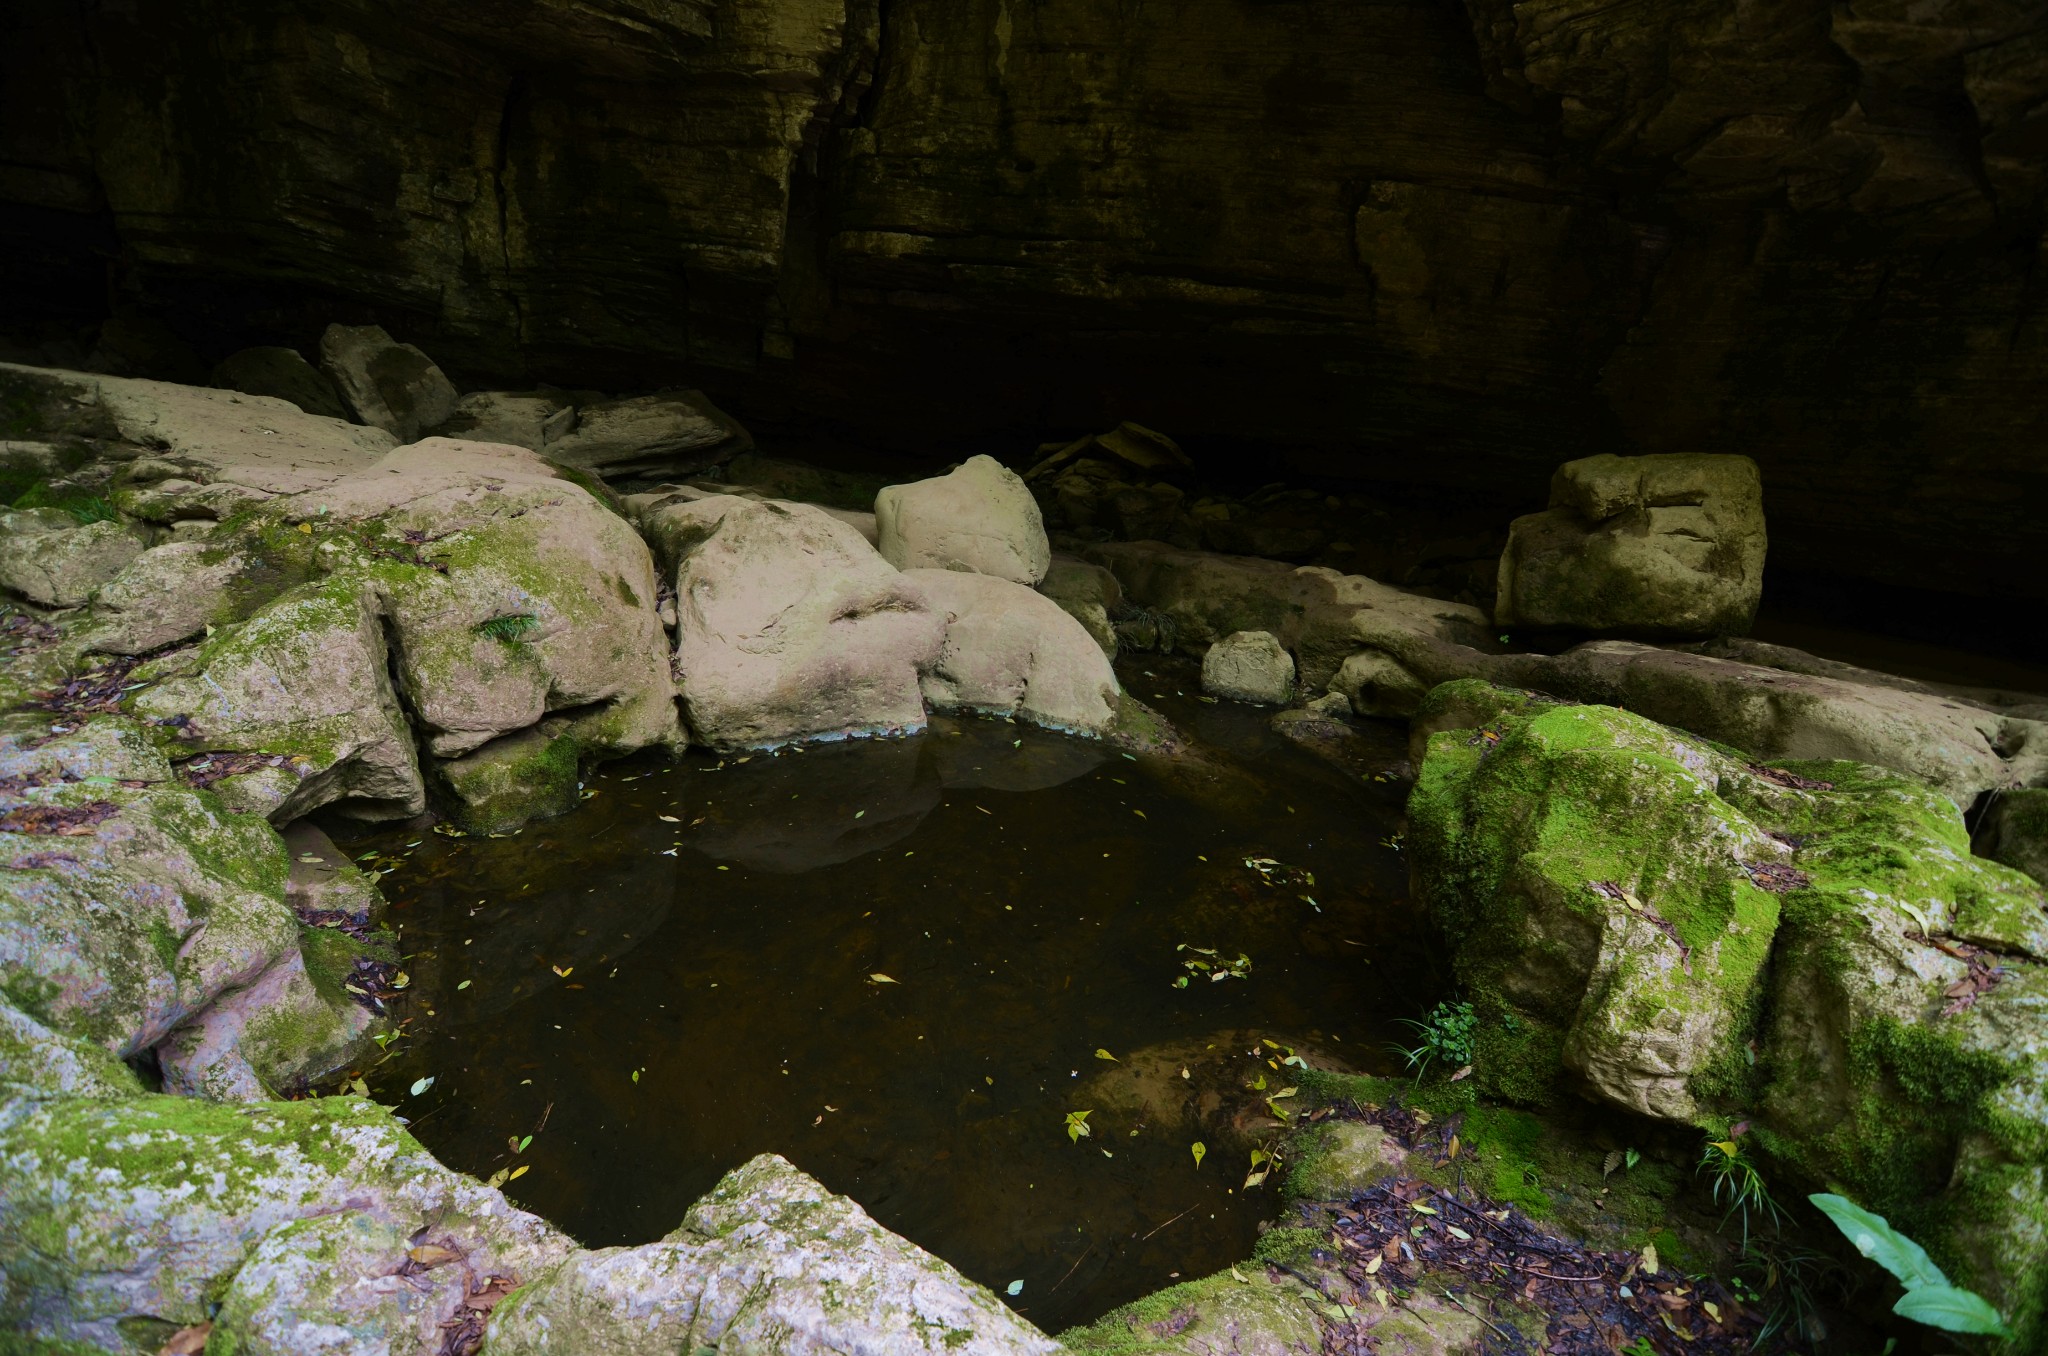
(657, 999)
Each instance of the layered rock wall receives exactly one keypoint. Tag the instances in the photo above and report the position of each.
(1404, 241)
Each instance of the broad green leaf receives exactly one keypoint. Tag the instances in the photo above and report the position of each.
(524, 1142)
(1950, 1309)
(1014, 1288)
(422, 1085)
(1875, 1238)
(1200, 1151)
(1077, 1125)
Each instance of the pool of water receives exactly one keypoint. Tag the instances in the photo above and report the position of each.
(895, 963)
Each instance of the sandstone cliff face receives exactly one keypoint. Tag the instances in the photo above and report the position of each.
(1410, 240)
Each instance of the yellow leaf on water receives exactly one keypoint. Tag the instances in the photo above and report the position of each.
(1104, 1054)
(668, 819)
(518, 1172)
(563, 970)
(879, 978)
(1200, 1151)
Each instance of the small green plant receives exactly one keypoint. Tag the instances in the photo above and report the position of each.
(1738, 1186)
(511, 630)
(1929, 1297)
(1641, 1346)
(86, 508)
(1446, 1035)
(1782, 1281)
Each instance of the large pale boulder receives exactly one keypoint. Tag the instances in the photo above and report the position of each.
(668, 434)
(386, 384)
(768, 1261)
(49, 557)
(790, 626)
(978, 518)
(1249, 666)
(283, 373)
(1665, 545)
(1010, 651)
(1806, 945)
(510, 594)
(307, 679)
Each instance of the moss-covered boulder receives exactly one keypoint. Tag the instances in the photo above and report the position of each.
(49, 557)
(510, 781)
(1809, 946)
(768, 1261)
(1600, 895)
(1246, 1311)
(122, 1220)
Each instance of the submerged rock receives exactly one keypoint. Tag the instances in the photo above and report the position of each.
(978, 518)
(1626, 903)
(386, 384)
(509, 781)
(1249, 666)
(1664, 545)
(790, 626)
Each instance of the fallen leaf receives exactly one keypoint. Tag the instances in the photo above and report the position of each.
(668, 819)
(1465, 1072)
(464, 984)
(422, 1085)
(1649, 1259)
(563, 970)
(1014, 1288)
(1240, 1277)
(187, 1341)
(1372, 1267)
(879, 978)
(432, 1255)
(1419, 1208)
(1457, 1233)
(1104, 1054)
(1200, 1151)
(519, 1172)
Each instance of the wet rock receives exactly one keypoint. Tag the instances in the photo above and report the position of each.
(511, 781)
(790, 626)
(668, 434)
(1340, 1158)
(1667, 545)
(262, 1039)
(307, 680)
(528, 419)
(1250, 1311)
(49, 557)
(386, 384)
(283, 373)
(1249, 666)
(769, 1260)
(2014, 830)
(1090, 595)
(1010, 651)
(1627, 899)
(167, 594)
(978, 518)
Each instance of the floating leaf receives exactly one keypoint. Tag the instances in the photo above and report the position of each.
(880, 978)
(563, 970)
(464, 984)
(400, 980)
(668, 819)
(1077, 1125)
(1200, 1151)
(519, 1172)
(636, 1075)
(521, 1147)
(1104, 1054)
(422, 1085)
(1014, 1288)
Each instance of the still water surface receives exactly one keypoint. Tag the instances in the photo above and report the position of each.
(894, 963)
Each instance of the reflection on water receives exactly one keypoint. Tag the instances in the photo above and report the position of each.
(893, 962)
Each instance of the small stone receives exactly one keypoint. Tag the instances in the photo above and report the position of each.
(1249, 666)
